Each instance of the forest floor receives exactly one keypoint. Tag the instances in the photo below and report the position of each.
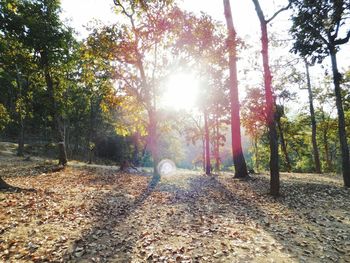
(96, 214)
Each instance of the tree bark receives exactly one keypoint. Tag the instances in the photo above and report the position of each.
(329, 165)
(237, 152)
(217, 144)
(207, 144)
(57, 122)
(326, 151)
(270, 109)
(153, 141)
(256, 149)
(283, 144)
(136, 159)
(341, 119)
(20, 150)
(203, 152)
(318, 168)
(91, 131)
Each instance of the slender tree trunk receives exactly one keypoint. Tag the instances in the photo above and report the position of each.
(217, 144)
(20, 150)
(326, 144)
(283, 144)
(256, 153)
(270, 109)
(57, 125)
(91, 131)
(207, 144)
(152, 110)
(318, 168)
(203, 152)
(136, 160)
(341, 119)
(153, 141)
(237, 152)
(326, 151)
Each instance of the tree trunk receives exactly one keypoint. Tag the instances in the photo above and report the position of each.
(326, 151)
(256, 149)
(217, 145)
(91, 131)
(283, 144)
(326, 144)
(237, 152)
(135, 157)
(270, 109)
(313, 122)
(207, 144)
(153, 141)
(203, 152)
(20, 150)
(57, 125)
(341, 120)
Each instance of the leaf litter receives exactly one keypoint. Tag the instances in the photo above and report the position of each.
(92, 214)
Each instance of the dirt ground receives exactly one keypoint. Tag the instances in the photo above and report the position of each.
(96, 214)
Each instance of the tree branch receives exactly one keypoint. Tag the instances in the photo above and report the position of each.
(337, 30)
(343, 40)
(117, 3)
(279, 11)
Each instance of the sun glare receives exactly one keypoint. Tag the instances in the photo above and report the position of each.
(181, 92)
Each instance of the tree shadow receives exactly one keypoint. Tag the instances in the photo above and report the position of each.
(196, 210)
(297, 224)
(111, 236)
(14, 189)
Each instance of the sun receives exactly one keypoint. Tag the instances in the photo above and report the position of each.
(181, 92)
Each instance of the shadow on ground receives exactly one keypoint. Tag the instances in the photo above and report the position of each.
(209, 219)
(112, 238)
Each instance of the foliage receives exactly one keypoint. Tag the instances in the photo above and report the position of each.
(4, 117)
(316, 24)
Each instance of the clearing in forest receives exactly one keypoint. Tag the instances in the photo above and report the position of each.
(96, 214)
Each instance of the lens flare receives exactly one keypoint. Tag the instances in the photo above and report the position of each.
(166, 167)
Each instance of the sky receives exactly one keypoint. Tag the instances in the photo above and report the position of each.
(80, 12)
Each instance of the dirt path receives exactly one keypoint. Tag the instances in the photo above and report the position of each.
(86, 214)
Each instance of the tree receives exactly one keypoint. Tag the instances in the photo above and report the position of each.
(37, 26)
(270, 104)
(254, 119)
(142, 61)
(237, 152)
(4, 119)
(313, 120)
(18, 70)
(317, 28)
(279, 115)
(207, 143)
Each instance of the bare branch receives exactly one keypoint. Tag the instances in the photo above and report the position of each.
(343, 40)
(279, 11)
(337, 30)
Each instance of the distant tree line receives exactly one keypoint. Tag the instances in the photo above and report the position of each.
(99, 97)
